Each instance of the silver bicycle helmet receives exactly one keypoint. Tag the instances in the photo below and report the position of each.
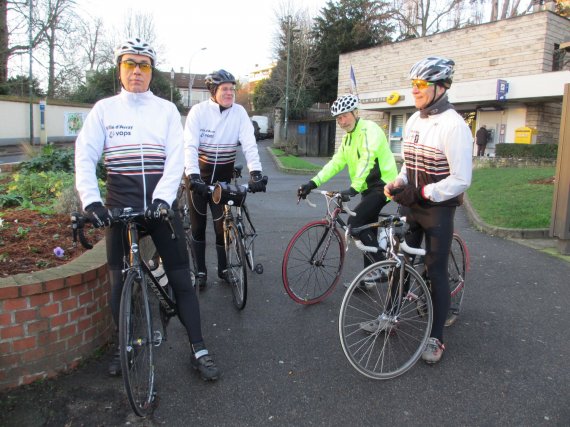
(216, 78)
(344, 104)
(434, 69)
(136, 46)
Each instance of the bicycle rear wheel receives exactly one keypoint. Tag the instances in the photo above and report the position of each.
(312, 263)
(457, 267)
(384, 327)
(237, 267)
(136, 344)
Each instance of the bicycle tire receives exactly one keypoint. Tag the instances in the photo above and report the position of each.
(391, 351)
(457, 267)
(136, 344)
(237, 266)
(306, 281)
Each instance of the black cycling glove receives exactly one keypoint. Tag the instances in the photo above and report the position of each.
(256, 182)
(408, 195)
(98, 215)
(155, 210)
(198, 186)
(304, 190)
(347, 194)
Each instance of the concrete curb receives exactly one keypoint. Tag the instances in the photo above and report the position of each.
(515, 233)
(285, 169)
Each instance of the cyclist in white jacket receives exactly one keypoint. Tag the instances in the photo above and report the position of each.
(140, 137)
(436, 172)
(213, 131)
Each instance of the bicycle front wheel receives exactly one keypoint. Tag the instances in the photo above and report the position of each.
(237, 267)
(312, 263)
(136, 344)
(384, 323)
(457, 267)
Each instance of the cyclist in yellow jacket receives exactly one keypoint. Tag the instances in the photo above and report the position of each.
(371, 164)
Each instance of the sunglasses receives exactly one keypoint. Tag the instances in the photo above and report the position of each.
(130, 65)
(421, 84)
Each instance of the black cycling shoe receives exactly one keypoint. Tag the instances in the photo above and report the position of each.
(201, 280)
(206, 366)
(115, 365)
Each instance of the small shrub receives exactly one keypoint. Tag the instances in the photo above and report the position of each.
(532, 151)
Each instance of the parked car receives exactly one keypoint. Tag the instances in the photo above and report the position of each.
(265, 130)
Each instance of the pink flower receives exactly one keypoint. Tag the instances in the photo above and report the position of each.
(58, 252)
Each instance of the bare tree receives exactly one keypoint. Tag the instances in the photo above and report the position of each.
(91, 32)
(59, 19)
(140, 25)
(419, 18)
(14, 32)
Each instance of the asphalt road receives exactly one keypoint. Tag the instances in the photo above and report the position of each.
(282, 363)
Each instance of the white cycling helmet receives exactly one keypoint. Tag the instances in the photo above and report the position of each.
(136, 46)
(434, 69)
(344, 104)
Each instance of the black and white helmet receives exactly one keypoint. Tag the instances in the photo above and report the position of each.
(434, 69)
(344, 104)
(136, 46)
(216, 78)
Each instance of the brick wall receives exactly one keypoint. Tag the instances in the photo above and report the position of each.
(52, 320)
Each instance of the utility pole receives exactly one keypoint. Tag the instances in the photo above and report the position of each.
(287, 77)
(30, 75)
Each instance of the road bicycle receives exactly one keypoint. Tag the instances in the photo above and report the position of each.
(138, 332)
(314, 258)
(384, 329)
(239, 234)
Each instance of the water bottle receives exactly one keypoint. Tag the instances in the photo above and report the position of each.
(160, 274)
(382, 239)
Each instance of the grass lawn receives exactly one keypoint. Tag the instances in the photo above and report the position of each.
(293, 162)
(513, 197)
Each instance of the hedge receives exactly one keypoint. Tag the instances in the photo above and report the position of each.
(527, 151)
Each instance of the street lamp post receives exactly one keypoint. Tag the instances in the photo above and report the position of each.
(190, 78)
(171, 84)
(286, 120)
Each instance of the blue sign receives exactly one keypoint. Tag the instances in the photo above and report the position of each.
(302, 129)
(502, 90)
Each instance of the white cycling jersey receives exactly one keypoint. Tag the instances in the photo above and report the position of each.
(211, 138)
(140, 137)
(437, 155)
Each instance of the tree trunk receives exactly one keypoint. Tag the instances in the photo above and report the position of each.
(3, 41)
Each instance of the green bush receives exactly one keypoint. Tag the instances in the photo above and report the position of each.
(39, 189)
(50, 158)
(528, 151)
(53, 158)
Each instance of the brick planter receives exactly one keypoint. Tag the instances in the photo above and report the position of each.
(53, 319)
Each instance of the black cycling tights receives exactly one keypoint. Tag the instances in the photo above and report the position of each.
(199, 216)
(174, 255)
(367, 212)
(436, 223)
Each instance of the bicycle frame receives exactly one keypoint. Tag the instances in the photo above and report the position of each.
(138, 265)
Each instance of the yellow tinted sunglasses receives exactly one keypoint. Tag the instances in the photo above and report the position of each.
(421, 84)
(130, 65)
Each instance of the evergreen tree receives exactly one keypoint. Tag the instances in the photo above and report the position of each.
(345, 26)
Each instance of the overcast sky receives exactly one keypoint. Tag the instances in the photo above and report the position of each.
(237, 34)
